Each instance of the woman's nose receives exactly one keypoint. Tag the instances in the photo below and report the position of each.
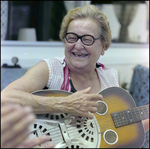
(79, 44)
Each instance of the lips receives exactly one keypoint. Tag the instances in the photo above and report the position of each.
(79, 54)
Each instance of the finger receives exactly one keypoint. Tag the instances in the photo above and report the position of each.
(19, 131)
(94, 104)
(49, 145)
(7, 108)
(96, 97)
(14, 141)
(86, 91)
(89, 115)
(29, 143)
(93, 109)
(15, 116)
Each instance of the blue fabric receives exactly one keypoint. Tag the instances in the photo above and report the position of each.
(139, 89)
(9, 75)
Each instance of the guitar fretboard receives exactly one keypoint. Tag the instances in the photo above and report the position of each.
(130, 116)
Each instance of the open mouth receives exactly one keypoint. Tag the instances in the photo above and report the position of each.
(79, 55)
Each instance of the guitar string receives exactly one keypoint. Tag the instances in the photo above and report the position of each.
(58, 138)
(124, 121)
(107, 124)
(89, 122)
(136, 112)
(71, 125)
(55, 134)
(120, 120)
(75, 133)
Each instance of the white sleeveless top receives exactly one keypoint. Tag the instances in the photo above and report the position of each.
(59, 75)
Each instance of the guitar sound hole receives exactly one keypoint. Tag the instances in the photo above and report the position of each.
(74, 146)
(40, 127)
(35, 125)
(78, 121)
(66, 114)
(61, 115)
(52, 117)
(91, 125)
(57, 117)
(87, 138)
(48, 134)
(45, 130)
(46, 115)
(102, 108)
(78, 126)
(80, 131)
(83, 135)
(110, 137)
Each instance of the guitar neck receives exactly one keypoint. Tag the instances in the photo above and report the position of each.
(129, 116)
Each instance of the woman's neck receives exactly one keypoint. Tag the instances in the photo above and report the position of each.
(82, 80)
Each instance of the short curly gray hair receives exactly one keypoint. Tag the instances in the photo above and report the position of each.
(88, 11)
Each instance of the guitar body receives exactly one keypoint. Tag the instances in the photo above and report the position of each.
(129, 136)
(106, 132)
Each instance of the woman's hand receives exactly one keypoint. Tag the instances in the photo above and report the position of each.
(14, 124)
(82, 103)
(15, 121)
(30, 143)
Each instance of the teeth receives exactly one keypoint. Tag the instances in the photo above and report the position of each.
(80, 55)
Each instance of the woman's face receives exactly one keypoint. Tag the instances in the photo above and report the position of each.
(78, 55)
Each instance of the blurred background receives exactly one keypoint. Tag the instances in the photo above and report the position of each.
(129, 20)
(30, 33)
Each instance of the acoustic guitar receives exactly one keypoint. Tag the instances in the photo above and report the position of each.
(116, 124)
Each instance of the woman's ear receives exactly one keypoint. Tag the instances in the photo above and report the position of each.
(103, 49)
(102, 52)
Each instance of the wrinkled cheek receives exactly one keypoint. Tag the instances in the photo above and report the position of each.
(68, 48)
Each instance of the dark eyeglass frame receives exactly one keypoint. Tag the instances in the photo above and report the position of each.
(80, 37)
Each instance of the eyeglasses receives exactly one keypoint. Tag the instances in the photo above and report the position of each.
(86, 39)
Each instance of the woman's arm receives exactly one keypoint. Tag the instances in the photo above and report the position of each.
(19, 91)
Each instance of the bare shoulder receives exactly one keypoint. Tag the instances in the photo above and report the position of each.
(34, 79)
(40, 67)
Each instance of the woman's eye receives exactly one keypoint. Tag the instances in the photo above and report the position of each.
(87, 40)
(72, 39)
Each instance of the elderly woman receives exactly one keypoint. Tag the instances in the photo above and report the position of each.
(86, 34)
